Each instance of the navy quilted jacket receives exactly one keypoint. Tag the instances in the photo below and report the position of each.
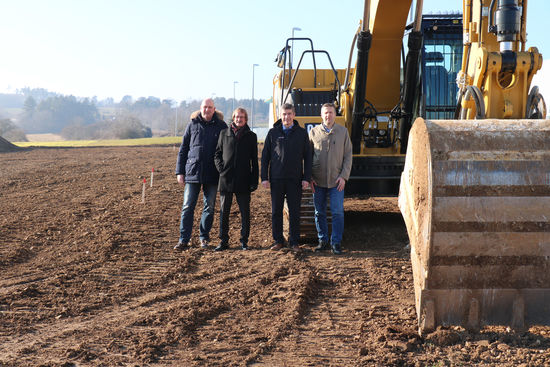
(196, 154)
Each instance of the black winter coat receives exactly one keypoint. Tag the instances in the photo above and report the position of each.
(237, 161)
(196, 154)
(286, 156)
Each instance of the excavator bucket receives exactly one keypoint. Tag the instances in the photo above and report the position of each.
(475, 197)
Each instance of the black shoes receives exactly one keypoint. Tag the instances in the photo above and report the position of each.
(181, 246)
(222, 246)
(322, 246)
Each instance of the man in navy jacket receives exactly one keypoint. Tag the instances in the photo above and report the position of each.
(195, 169)
(286, 168)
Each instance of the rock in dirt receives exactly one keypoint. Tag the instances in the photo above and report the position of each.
(443, 337)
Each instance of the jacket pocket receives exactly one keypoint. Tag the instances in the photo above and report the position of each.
(192, 167)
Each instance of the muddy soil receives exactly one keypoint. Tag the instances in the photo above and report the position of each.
(89, 278)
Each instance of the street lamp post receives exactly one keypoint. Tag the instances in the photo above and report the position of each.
(233, 104)
(252, 109)
(176, 122)
(292, 45)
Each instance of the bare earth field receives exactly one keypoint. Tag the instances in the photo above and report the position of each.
(89, 278)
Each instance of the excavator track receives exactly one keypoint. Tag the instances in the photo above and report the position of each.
(308, 230)
(475, 196)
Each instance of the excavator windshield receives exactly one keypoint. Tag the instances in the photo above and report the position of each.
(441, 62)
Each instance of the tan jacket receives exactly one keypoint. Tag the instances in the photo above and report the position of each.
(332, 155)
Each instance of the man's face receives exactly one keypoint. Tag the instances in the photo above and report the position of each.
(239, 119)
(288, 118)
(328, 114)
(207, 109)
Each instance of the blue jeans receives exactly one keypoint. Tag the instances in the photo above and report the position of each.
(337, 209)
(190, 197)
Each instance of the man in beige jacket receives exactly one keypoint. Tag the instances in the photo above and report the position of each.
(332, 155)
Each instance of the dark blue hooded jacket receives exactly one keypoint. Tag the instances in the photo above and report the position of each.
(196, 154)
(286, 155)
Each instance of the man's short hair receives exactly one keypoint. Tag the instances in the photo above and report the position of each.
(327, 105)
(237, 110)
(288, 106)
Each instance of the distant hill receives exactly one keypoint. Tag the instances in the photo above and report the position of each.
(11, 100)
(6, 146)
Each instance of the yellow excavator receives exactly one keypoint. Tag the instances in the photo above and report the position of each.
(471, 171)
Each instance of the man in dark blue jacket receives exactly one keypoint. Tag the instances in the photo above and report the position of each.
(286, 168)
(195, 169)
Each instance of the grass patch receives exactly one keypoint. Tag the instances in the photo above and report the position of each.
(166, 140)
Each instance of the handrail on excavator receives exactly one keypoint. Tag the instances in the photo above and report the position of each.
(313, 52)
(285, 51)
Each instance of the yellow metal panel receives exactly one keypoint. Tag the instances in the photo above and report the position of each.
(387, 24)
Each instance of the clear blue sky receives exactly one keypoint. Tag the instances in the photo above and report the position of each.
(180, 49)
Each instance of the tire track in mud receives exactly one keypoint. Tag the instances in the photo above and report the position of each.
(68, 331)
(388, 323)
(263, 308)
(329, 333)
(168, 316)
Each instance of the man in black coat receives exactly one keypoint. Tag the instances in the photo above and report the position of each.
(286, 168)
(195, 169)
(236, 160)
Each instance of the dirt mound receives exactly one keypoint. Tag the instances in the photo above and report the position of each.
(6, 146)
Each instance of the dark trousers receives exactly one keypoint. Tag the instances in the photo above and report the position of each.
(243, 200)
(292, 191)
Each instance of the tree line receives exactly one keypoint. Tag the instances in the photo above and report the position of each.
(89, 118)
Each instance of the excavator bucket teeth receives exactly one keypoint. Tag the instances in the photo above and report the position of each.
(475, 196)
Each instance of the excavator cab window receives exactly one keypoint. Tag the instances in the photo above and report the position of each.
(441, 61)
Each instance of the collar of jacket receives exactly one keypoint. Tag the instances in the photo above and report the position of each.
(279, 124)
(197, 116)
(245, 129)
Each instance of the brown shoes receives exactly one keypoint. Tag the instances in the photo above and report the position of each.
(277, 246)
